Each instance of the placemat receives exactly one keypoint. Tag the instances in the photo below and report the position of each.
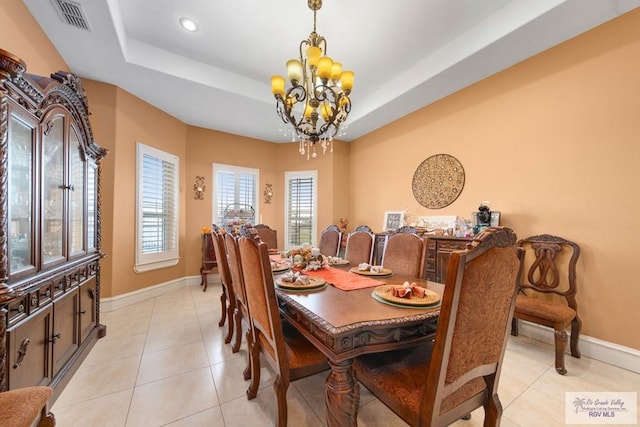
(430, 298)
(277, 258)
(314, 282)
(344, 280)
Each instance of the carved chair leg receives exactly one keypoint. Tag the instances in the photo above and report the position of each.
(514, 327)
(576, 325)
(248, 369)
(492, 411)
(254, 353)
(280, 388)
(47, 419)
(560, 335)
(230, 309)
(223, 304)
(237, 320)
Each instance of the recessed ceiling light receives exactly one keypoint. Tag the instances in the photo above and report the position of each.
(188, 24)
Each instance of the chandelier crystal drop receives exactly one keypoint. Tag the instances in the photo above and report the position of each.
(317, 102)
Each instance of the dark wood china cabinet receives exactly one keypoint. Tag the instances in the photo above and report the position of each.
(49, 227)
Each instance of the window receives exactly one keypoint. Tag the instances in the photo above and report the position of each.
(300, 208)
(157, 209)
(235, 197)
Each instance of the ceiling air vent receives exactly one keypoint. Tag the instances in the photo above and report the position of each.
(72, 13)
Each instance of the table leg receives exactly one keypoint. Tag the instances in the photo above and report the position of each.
(343, 395)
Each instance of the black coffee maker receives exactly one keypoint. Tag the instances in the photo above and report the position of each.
(484, 215)
(482, 218)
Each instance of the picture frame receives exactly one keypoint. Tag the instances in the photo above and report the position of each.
(393, 220)
(495, 219)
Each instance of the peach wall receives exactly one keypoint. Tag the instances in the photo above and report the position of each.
(119, 121)
(553, 143)
(333, 179)
(21, 35)
(206, 147)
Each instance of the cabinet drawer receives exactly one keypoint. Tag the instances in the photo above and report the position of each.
(40, 297)
(58, 285)
(431, 265)
(451, 245)
(18, 310)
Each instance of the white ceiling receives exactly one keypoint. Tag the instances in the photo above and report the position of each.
(405, 53)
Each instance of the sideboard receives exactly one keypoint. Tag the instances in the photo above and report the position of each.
(439, 250)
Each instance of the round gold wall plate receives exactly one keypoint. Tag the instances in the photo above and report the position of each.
(438, 181)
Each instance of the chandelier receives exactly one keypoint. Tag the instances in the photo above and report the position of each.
(317, 103)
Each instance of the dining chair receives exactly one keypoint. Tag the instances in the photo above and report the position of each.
(241, 313)
(268, 235)
(437, 383)
(549, 269)
(227, 297)
(289, 354)
(208, 260)
(405, 253)
(359, 247)
(330, 241)
(26, 407)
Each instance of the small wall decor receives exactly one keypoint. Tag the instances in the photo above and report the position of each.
(268, 193)
(438, 181)
(199, 188)
(393, 220)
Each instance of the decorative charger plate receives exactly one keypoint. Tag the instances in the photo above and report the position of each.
(339, 263)
(314, 283)
(384, 272)
(280, 267)
(382, 294)
(438, 181)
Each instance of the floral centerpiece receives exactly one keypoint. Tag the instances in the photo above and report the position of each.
(304, 258)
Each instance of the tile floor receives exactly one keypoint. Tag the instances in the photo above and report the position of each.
(164, 363)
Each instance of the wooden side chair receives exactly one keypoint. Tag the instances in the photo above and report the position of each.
(242, 308)
(289, 354)
(227, 297)
(208, 260)
(330, 241)
(437, 383)
(268, 235)
(549, 269)
(26, 407)
(405, 253)
(359, 247)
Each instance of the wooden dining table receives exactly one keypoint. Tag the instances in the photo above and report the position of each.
(345, 324)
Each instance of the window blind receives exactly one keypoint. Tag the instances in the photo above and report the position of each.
(158, 205)
(235, 188)
(300, 211)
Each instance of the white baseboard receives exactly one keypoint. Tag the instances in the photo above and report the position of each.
(604, 351)
(124, 300)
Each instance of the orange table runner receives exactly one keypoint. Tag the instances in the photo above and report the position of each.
(344, 280)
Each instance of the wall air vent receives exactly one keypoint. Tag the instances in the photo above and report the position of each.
(72, 13)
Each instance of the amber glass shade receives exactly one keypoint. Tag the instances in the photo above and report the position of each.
(277, 85)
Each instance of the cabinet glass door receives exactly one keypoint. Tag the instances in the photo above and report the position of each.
(52, 190)
(20, 196)
(92, 205)
(76, 195)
